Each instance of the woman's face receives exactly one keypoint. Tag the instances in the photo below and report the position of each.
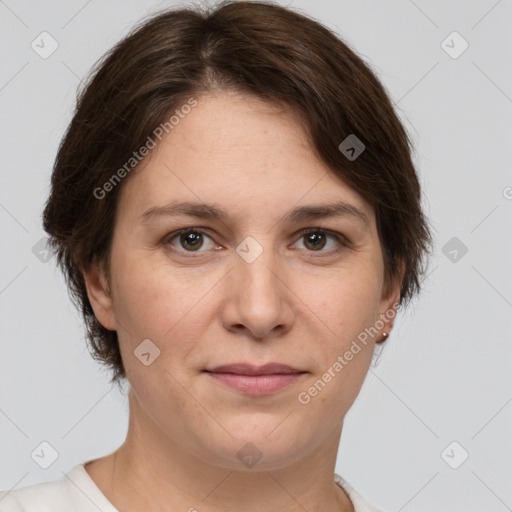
(245, 287)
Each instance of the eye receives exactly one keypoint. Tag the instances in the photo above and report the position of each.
(190, 239)
(316, 239)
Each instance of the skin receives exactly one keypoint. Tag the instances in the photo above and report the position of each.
(291, 305)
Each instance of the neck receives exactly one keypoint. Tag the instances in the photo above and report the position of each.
(152, 471)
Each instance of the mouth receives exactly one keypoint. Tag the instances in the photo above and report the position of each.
(256, 380)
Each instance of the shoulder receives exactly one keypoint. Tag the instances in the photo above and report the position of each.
(73, 491)
(8, 503)
(42, 497)
(360, 505)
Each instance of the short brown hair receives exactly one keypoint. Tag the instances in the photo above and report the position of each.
(260, 48)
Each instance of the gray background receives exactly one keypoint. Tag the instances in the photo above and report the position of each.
(445, 374)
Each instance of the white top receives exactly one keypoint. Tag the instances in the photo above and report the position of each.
(76, 491)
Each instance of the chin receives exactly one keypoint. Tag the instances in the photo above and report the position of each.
(256, 450)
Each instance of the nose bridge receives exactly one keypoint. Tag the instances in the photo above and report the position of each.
(257, 264)
(258, 294)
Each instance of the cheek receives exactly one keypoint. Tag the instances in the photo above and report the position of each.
(346, 346)
(145, 295)
(346, 311)
(167, 305)
(347, 301)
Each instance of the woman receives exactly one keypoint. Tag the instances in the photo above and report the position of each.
(238, 218)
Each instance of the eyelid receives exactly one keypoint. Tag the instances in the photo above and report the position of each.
(339, 237)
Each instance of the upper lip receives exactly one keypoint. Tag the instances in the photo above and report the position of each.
(248, 369)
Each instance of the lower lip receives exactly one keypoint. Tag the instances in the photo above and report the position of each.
(256, 384)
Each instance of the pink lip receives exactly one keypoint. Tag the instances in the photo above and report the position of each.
(256, 380)
(249, 369)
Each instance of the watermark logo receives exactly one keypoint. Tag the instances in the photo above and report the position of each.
(352, 147)
(454, 249)
(44, 455)
(249, 454)
(146, 352)
(41, 250)
(454, 45)
(454, 455)
(44, 45)
(249, 249)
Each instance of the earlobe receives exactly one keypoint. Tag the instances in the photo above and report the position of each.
(390, 300)
(386, 321)
(98, 291)
(390, 314)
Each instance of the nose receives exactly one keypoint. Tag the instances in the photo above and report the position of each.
(258, 299)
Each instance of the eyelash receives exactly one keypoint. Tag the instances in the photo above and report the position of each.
(342, 240)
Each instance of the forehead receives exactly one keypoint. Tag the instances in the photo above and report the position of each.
(240, 152)
(238, 127)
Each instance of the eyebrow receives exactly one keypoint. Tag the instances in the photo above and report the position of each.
(213, 212)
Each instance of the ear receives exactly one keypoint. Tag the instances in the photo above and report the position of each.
(389, 303)
(98, 291)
